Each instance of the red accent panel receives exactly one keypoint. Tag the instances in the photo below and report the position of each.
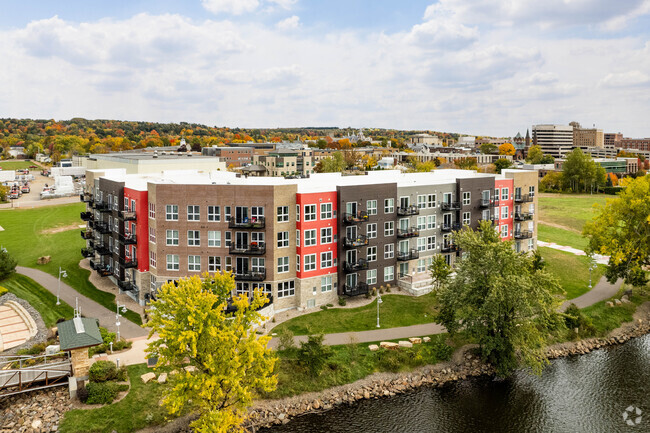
(141, 226)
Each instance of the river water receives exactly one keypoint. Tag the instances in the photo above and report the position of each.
(587, 393)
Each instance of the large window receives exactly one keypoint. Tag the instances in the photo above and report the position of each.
(193, 213)
(286, 288)
(172, 237)
(172, 262)
(325, 211)
(214, 213)
(504, 212)
(371, 231)
(431, 201)
(422, 202)
(326, 235)
(193, 238)
(371, 207)
(214, 264)
(326, 284)
(431, 222)
(310, 212)
(326, 260)
(505, 193)
(504, 231)
(171, 212)
(152, 259)
(467, 198)
(310, 262)
(389, 273)
(297, 238)
(194, 263)
(389, 251)
(283, 214)
(389, 228)
(431, 242)
(310, 238)
(371, 276)
(152, 210)
(371, 254)
(283, 239)
(422, 222)
(152, 235)
(467, 218)
(283, 264)
(389, 205)
(214, 238)
(422, 244)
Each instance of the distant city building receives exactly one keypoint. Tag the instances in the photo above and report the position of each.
(235, 156)
(466, 141)
(555, 140)
(613, 139)
(588, 137)
(288, 162)
(135, 162)
(425, 139)
(635, 144)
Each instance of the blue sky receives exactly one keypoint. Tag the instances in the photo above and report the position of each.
(483, 67)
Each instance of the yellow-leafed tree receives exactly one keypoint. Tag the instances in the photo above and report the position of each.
(228, 360)
(507, 149)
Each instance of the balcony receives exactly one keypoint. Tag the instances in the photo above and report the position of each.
(357, 241)
(450, 227)
(352, 218)
(102, 206)
(408, 255)
(448, 247)
(359, 289)
(523, 234)
(86, 216)
(104, 270)
(102, 250)
(526, 198)
(523, 216)
(128, 238)
(87, 252)
(359, 265)
(102, 228)
(250, 275)
(411, 232)
(408, 211)
(126, 215)
(128, 262)
(485, 202)
(127, 286)
(495, 201)
(254, 248)
(246, 223)
(450, 205)
(86, 234)
(93, 264)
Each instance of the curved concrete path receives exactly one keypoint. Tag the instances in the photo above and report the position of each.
(89, 308)
(601, 291)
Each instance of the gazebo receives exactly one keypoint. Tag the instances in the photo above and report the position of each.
(76, 336)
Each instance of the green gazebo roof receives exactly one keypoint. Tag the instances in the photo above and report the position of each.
(79, 332)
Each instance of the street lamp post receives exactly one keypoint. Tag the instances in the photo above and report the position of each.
(379, 301)
(63, 274)
(592, 266)
(117, 318)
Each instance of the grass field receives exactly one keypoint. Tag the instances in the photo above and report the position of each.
(26, 237)
(395, 310)
(38, 297)
(561, 237)
(607, 318)
(572, 271)
(15, 165)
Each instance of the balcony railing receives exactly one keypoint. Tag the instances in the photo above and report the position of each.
(358, 289)
(526, 198)
(359, 265)
(254, 248)
(128, 238)
(86, 216)
(104, 270)
(127, 215)
(93, 264)
(357, 241)
(101, 227)
(411, 232)
(495, 201)
(408, 255)
(127, 286)
(523, 216)
(102, 250)
(102, 206)
(408, 211)
(450, 205)
(87, 234)
(445, 227)
(86, 198)
(448, 247)
(87, 252)
(128, 262)
(246, 223)
(523, 234)
(352, 218)
(250, 275)
(485, 202)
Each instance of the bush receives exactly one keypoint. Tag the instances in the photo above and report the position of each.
(36, 349)
(313, 354)
(329, 305)
(323, 307)
(7, 264)
(285, 337)
(342, 301)
(574, 318)
(102, 371)
(122, 374)
(108, 337)
(3, 290)
(101, 393)
(82, 394)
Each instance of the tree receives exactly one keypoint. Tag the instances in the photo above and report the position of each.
(466, 163)
(501, 300)
(230, 361)
(507, 149)
(581, 173)
(502, 164)
(333, 164)
(488, 148)
(7, 264)
(621, 230)
(440, 271)
(313, 354)
(534, 155)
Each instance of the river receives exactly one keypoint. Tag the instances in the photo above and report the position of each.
(588, 393)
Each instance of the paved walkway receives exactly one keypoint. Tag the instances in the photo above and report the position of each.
(602, 260)
(601, 291)
(89, 308)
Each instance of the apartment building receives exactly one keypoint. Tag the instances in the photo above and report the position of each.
(588, 137)
(554, 140)
(303, 241)
(287, 162)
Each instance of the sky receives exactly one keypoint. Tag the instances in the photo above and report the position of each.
(480, 67)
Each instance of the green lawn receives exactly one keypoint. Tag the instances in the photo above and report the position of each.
(606, 319)
(568, 209)
(24, 239)
(137, 410)
(15, 165)
(572, 271)
(561, 237)
(40, 298)
(395, 310)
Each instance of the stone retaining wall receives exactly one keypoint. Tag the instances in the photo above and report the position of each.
(42, 332)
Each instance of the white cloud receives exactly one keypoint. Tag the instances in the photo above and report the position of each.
(234, 7)
(284, 4)
(293, 22)
(626, 79)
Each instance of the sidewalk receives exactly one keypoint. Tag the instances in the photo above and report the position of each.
(601, 260)
(89, 308)
(601, 291)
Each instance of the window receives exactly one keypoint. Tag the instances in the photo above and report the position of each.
(422, 266)
(531, 243)
(505, 193)
(228, 238)
(422, 244)
(371, 254)
(214, 213)
(171, 213)
(297, 212)
(531, 208)
(497, 193)
(283, 264)
(371, 231)
(518, 192)
(194, 263)
(467, 217)
(310, 238)
(371, 276)
(422, 223)
(431, 222)
(310, 212)
(214, 264)
(283, 239)
(297, 263)
(389, 228)
(389, 251)
(286, 288)
(431, 242)
(326, 260)
(193, 213)
(466, 198)
(227, 213)
(310, 262)
(504, 212)
(283, 214)
(531, 191)
(297, 238)
(152, 259)
(325, 211)
(389, 205)
(257, 212)
(172, 237)
(172, 262)
(152, 235)
(389, 273)
(228, 263)
(214, 238)
(326, 284)
(193, 238)
(371, 207)
(422, 202)
(431, 199)
(152, 210)
(504, 231)
(326, 235)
